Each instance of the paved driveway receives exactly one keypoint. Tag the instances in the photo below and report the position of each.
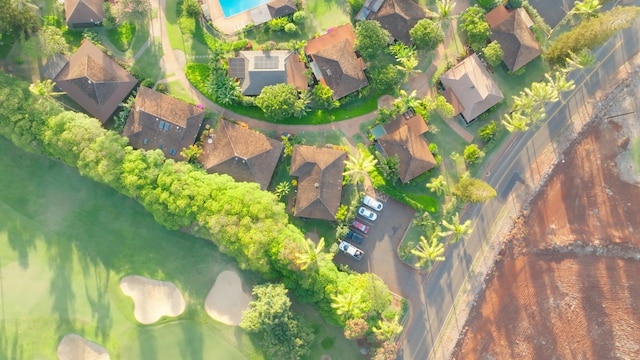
(380, 245)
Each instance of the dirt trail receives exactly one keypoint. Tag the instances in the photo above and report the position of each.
(566, 285)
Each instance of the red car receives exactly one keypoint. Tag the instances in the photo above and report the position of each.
(360, 226)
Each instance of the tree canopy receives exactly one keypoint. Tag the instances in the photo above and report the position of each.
(270, 316)
(278, 101)
(16, 20)
(427, 34)
(470, 189)
(473, 23)
(371, 39)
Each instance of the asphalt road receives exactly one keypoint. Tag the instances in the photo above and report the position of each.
(432, 296)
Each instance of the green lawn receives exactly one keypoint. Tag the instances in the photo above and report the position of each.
(66, 241)
(327, 14)
(147, 65)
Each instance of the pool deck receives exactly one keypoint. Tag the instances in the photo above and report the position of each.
(230, 25)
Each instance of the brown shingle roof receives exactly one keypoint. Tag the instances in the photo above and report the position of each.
(474, 89)
(319, 171)
(244, 154)
(83, 12)
(280, 8)
(404, 139)
(257, 69)
(159, 121)
(398, 17)
(509, 28)
(95, 81)
(334, 61)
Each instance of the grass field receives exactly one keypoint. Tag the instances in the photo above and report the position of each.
(65, 242)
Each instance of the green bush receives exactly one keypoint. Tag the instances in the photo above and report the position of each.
(239, 44)
(299, 17)
(122, 35)
(187, 25)
(487, 133)
(199, 76)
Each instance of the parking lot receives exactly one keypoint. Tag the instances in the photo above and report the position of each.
(381, 243)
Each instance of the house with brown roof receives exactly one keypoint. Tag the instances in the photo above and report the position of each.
(257, 69)
(245, 155)
(95, 81)
(470, 89)
(319, 172)
(84, 13)
(159, 121)
(511, 29)
(396, 16)
(335, 63)
(404, 139)
(280, 8)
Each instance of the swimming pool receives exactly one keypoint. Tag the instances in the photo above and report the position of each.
(234, 7)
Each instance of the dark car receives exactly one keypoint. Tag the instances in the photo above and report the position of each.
(360, 226)
(355, 237)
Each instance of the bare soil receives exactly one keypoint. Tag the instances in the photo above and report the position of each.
(565, 285)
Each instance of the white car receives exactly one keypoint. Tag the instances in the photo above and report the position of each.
(372, 203)
(367, 214)
(351, 250)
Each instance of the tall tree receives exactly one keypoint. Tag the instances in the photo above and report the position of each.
(278, 101)
(348, 304)
(358, 165)
(387, 329)
(586, 8)
(472, 21)
(429, 251)
(17, 19)
(406, 101)
(44, 89)
(438, 185)
(371, 39)
(270, 316)
(427, 34)
(444, 10)
(470, 189)
(49, 40)
(312, 255)
(130, 10)
(191, 153)
(456, 229)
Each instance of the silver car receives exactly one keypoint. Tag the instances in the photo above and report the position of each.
(372, 203)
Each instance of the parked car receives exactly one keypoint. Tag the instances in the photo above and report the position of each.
(372, 203)
(366, 213)
(351, 250)
(360, 226)
(355, 237)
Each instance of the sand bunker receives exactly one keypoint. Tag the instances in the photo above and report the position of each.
(75, 347)
(226, 301)
(152, 299)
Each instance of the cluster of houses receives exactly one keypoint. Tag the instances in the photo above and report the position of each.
(158, 121)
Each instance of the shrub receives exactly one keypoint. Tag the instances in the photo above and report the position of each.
(493, 53)
(187, 25)
(299, 17)
(489, 5)
(290, 28)
(190, 8)
(472, 154)
(488, 132)
(277, 24)
(239, 44)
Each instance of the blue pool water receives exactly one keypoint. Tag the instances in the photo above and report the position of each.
(234, 7)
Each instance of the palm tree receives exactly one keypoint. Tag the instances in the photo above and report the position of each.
(282, 189)
(456, 229)
(312, 254)
(586, 9)
(348, 304)
(406, 101)
(444, 11)
(358, 166)
(191, 153)
(407, 65)
(387, 330)
(579, 61)
(437, 185)
(542, 93)
(559, 82)
(429, 250)
(515, 122)
(44, 89)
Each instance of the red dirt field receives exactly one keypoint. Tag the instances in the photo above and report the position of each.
(567, 284)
